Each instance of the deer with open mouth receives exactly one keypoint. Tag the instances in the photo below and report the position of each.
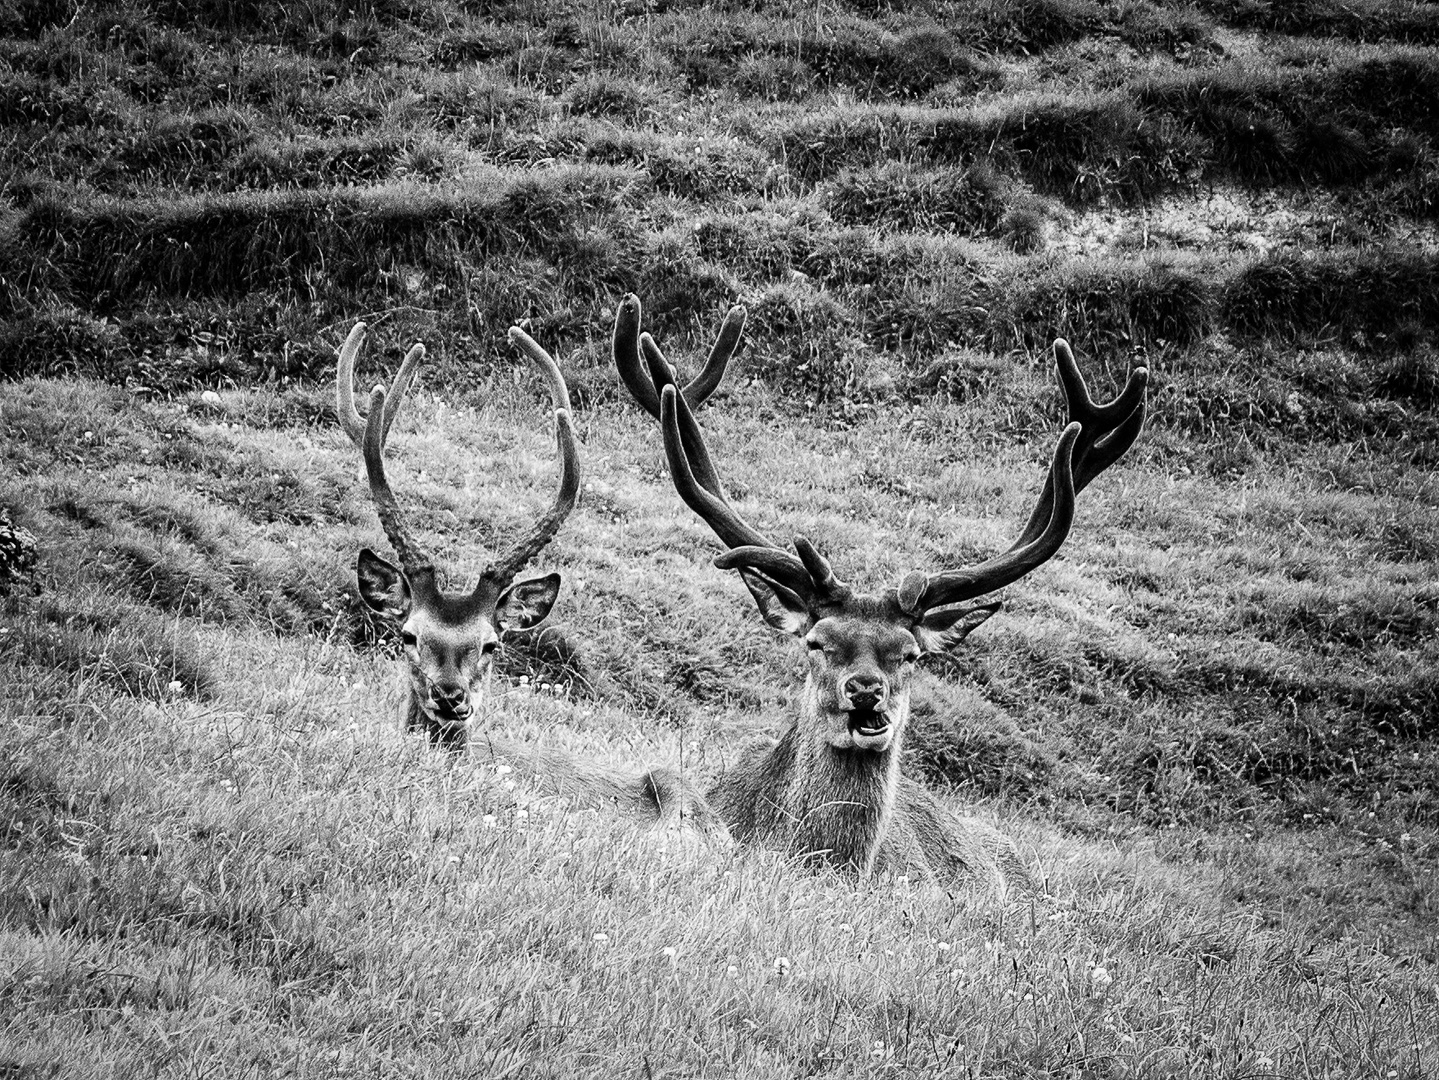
(830, 789)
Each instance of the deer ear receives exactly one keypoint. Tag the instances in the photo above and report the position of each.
(782, 608)
(383, 586)
(941, 631)
(526, 602)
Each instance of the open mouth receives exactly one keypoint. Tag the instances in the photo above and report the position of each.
(868, 723)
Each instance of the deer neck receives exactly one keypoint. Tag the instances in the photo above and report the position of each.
(839, 802)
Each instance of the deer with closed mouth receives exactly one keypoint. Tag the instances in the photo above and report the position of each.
(450, 636)
(830, 789)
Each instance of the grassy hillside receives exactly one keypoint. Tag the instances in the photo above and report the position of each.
(1210, 722)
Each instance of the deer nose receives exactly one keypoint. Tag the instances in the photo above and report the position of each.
(864, 691)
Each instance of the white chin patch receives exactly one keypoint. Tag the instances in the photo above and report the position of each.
(874, 734)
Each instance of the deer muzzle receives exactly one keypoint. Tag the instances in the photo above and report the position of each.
(450, 704)
(866, 699)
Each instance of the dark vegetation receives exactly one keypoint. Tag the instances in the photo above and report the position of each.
(244, 177)
(207, 194)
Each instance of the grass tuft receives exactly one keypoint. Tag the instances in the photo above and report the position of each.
(137, 654)
(902, 196)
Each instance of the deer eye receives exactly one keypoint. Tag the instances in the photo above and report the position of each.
(488, 647)
(812, 644)
(408, 638)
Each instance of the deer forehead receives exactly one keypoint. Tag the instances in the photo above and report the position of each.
(452, 634)
(862, 636)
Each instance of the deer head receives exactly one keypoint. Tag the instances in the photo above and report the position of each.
(449, 636)
(863, 647)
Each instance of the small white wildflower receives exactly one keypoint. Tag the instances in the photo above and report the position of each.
(524, 680)
(845, 928)
(509, 785)
(503, 770)
(878, 1050)
(488, 821)
(731, 970)
(942, 946)
(600, 937)
(209, 397)
(520, 815)
(175, 687)
(668, 952)
(1099, 977)
(781, 965)
(454, 858)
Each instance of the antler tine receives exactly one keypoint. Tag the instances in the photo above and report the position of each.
(412, 558)
(401, 385)
(698, 389)
(751, 547)
(955, 586)
(827, 587)
(629, 345)
(626, 349)
(696, 451)
(502, 570)
(1107, 430)
(554, 379)
(350, 419)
